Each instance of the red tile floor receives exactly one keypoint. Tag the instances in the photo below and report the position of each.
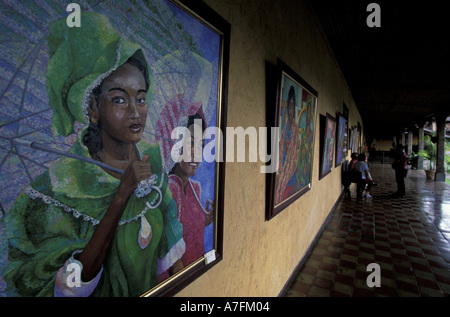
(409, 238)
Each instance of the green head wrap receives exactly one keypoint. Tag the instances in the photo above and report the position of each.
(80, 58)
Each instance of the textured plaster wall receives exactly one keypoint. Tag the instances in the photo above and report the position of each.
(259, 256)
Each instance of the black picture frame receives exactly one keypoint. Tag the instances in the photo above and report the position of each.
(327, 146)
(341, 140)
(205, 14)
(276, 197)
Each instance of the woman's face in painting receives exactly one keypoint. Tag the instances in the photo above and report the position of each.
(122, 106)
(189, 168)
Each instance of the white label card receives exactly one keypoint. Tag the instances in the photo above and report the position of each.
(210, 256)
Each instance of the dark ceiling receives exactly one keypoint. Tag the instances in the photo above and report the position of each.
(399, 73)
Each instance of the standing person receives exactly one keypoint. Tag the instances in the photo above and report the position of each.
(77, 213)
(362, 167)
(399, 165)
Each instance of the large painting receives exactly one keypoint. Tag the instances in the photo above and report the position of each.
(327, 144)
(99, 196)
(295, 114)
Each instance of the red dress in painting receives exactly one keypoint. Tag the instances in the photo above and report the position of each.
(288, 156)
(191, 216)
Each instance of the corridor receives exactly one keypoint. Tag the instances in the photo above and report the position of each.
(409, 238)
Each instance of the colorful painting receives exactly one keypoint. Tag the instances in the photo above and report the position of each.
(296, 113)
(94, 201)
(355, 139)
(341, 140)
(327, 145)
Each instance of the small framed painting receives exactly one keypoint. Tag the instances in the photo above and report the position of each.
(327, 140)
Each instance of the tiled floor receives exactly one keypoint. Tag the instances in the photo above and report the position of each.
(409, 238)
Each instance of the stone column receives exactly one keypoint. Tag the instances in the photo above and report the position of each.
(440, 149)
(410, 142)
(421, 148)
(403, 139)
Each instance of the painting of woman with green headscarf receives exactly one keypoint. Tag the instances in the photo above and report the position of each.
(84, 230)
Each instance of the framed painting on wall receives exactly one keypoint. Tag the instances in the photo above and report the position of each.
(355, 140)
(359, 138)
(294, 118)
(345, 111)
(355, 137)
(341, 140)
(91, 96)
(350, 139)
(345, 114)
(327, 140)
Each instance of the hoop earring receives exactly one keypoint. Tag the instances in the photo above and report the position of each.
(94, 118)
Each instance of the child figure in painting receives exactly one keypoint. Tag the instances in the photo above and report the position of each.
(186, 193)
(196, 217)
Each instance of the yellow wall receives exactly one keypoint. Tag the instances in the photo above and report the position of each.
(382, 144)
(386, 144)
(259, 256)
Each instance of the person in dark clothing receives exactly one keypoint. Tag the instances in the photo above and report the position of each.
(399, 166)
(354, 157)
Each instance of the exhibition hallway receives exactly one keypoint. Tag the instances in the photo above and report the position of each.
(409, 238)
